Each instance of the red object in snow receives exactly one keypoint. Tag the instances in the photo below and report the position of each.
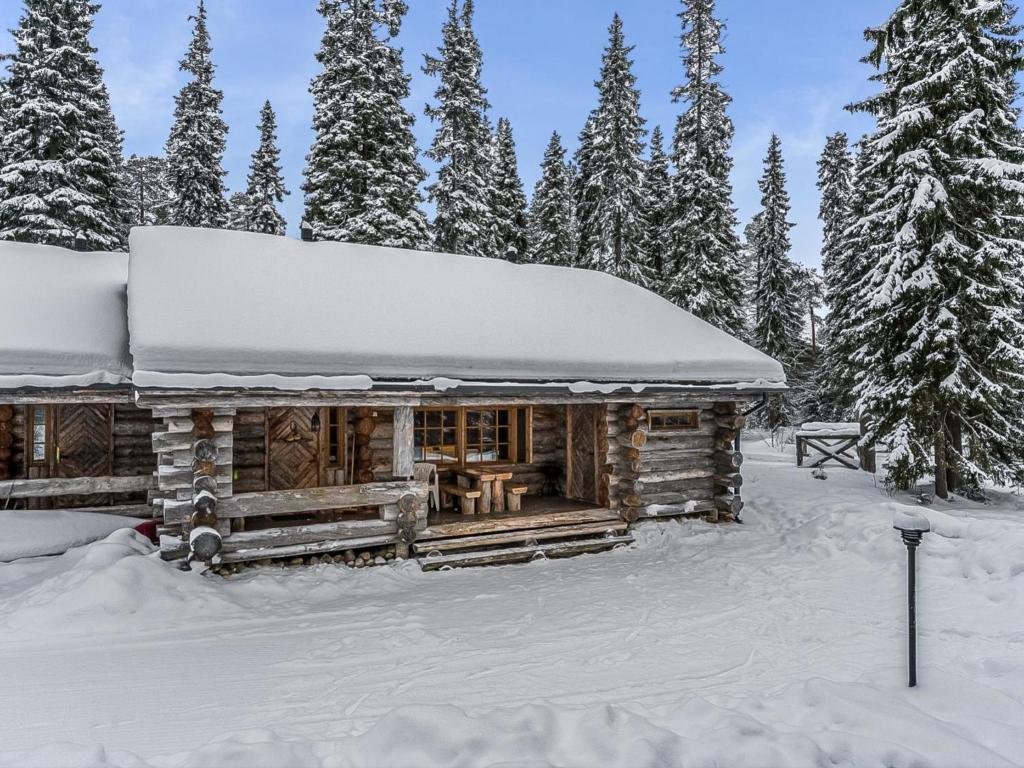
(148, 529)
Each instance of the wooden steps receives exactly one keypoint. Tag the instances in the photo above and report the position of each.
(522, 537)
(488, 524)
(522, 554)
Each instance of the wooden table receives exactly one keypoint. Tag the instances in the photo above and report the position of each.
(490, 481)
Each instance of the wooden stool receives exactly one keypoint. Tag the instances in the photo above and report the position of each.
(515, 497)
(467, 498)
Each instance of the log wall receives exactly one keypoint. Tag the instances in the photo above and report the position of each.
(133, 454)
(7, 442)
(548, 447)
(250, 450)
(678, 472)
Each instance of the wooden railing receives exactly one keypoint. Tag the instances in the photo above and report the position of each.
(401, 511)
(38, 488)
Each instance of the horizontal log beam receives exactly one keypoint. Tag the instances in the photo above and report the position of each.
(315, 499)
(144, 511)
(309, 534)
(73, 486)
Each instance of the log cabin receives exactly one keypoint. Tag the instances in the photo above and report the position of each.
(305, 399)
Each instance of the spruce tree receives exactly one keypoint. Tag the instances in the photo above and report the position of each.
(149, 195)
(585, 191)
(60, 148)
(362, 172)
(551, 223)
(238, 212)
(657, 207)
(461, 145)
(195, 147)
(265, 190)
(615, 169)
(777, 302)
(835, 182)
(704, 271)
(508, 201)
(940, 365)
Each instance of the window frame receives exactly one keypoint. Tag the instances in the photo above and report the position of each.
(461, 444)
(669, 413)
(30, 436)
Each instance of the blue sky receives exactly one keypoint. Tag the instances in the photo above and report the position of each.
(790, 66)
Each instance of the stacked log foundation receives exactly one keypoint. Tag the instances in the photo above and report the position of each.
(174, 444)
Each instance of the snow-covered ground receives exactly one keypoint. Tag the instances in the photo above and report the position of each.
(52, 532)
(780, 642)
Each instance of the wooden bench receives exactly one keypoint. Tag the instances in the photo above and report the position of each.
(467, 497)
(515, 497)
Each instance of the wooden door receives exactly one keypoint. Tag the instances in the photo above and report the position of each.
(581, 447)
(83, 446)
(295, 448)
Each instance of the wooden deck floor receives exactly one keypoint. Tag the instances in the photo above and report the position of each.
(537, 512)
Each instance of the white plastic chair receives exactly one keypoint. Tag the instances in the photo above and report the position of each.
(426, 472)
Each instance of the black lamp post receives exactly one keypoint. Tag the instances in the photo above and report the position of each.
(912, 527)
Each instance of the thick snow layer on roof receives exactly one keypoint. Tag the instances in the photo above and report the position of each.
(62, 317)
(252, 309)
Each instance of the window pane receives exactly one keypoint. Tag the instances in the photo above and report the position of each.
(449, 418)
(433, 437)
(474, 456)
(503, 416)
(472, 437)
(419, 419)
(472, 418)
(450, 437)
(433, 418)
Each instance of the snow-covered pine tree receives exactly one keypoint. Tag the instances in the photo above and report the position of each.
(508, 201)
(265, 188)
(835, 183)
(363, 172)
(584, 195)
(615, 169)
(195, 147)
(941, 363)
(657, 208)
(704, 273)
(551, 222)
(778, 311)
(149, 195)
(238, 212)
(461, 145)
(60, 147)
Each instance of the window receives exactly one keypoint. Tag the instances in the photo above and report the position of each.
(664, 421)
(460, 436)
(337, 421)
(435, 436)
(39, 434)
(488, 435)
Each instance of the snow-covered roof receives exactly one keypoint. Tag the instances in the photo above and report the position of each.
(213, 308)
(62, 317)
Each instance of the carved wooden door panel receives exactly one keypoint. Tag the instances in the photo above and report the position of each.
(294, 448)
(581, 452)
(83, 446)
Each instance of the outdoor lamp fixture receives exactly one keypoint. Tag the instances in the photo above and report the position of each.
(912, 526)
(314, 423)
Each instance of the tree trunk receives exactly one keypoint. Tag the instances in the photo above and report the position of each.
(956, 444)
(941, 489)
